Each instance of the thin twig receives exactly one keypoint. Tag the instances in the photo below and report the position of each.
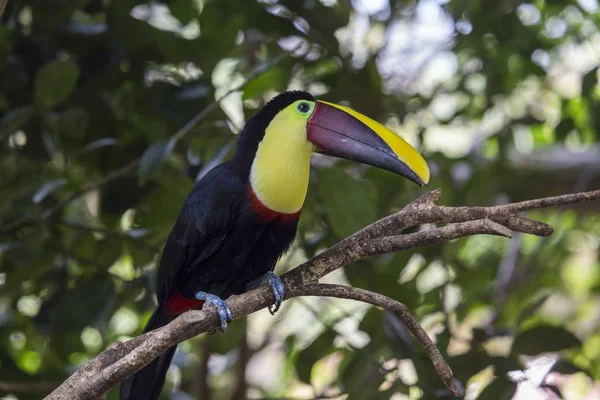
(109, 232)
(49, 213)
(399, 309)
(112, 175)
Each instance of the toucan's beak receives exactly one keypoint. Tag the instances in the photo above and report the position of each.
(342, 132)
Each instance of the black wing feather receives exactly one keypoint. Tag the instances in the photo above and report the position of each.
(200, 229)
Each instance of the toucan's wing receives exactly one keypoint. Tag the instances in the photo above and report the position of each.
(202, 226)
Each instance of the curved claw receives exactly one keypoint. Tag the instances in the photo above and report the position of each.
(222, 308)
(278, 291)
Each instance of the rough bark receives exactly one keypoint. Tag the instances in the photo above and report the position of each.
(110, 367)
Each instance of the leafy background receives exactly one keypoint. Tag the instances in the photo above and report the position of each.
(502, 97)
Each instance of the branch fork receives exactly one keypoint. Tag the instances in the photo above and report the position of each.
(120, 360)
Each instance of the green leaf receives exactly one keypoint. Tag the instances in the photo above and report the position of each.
(542, 135)
(140, 254)
(590, 80)
(542, 339)
(108, 250)
(73, 309)
(183, 10)
(15, 120)
(321, 347)
(222, 344)
(533, 302)
(54, 82)
(322, 68)
(348, 204)
(153, 158)
(47, 188)
(6, 45)
(362, 376)
(500, 389)
(372, 322)
(563, 128)
(273, 79)
(99, 143)
(466, 365)
(73, 122)
(81, 245)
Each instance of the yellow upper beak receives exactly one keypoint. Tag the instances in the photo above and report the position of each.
(350, 134)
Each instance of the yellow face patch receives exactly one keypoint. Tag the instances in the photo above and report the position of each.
(280, 171)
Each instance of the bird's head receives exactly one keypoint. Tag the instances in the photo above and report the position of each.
(338, 131)
(277, 143)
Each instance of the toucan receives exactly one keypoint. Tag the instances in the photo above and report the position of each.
(242, 215)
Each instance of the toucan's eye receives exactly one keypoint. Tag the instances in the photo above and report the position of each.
(303, 107)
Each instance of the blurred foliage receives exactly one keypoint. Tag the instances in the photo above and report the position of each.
(502, 97)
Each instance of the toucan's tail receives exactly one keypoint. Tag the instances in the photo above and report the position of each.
(147, 383)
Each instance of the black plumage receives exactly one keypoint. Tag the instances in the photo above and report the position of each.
(225, 239)
(221, 241)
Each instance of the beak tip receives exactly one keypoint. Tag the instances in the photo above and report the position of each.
(425, 175)
(419, 178)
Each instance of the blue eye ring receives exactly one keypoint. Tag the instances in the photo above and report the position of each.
(303, 107)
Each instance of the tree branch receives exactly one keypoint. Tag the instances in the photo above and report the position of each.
(399, 309)
(424, 211)
(122, 359)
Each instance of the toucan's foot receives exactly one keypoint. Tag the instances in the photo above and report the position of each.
(276, 285)
(278, 290)
(222, 308)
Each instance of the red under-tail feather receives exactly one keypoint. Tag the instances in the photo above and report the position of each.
(147, 383)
